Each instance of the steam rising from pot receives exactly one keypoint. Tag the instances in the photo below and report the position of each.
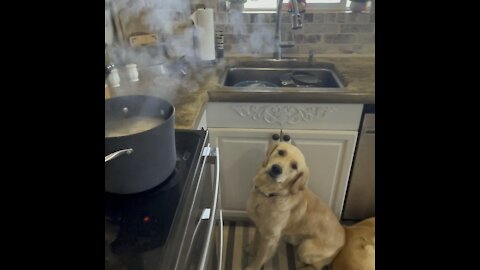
(170, 20)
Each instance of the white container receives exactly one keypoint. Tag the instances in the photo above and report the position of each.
(132, 72)
(114, 78)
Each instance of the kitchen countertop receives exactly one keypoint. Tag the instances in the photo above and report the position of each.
(358, 73)
(189, 108)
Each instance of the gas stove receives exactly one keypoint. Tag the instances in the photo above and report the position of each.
(143, 230)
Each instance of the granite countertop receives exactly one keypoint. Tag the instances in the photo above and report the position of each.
(189, 106)
(358, 73)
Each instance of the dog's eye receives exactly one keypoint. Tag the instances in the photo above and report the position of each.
(293, 165)
(281, 153)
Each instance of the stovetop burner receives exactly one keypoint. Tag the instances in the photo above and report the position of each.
(145, 218)
(142, 222)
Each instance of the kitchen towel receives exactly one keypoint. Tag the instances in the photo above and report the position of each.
(205, 33)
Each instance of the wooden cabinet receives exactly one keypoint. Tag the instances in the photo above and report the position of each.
(326, 134)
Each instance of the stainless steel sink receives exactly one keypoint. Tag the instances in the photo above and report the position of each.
(273, 75)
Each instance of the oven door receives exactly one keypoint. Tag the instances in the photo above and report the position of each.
(204, 239)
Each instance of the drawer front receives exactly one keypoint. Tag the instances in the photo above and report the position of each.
(284, 115)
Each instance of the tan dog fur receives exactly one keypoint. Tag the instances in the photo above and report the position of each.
(359, 250)
(294, 213)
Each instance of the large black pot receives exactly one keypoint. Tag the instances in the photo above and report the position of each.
(138, 160)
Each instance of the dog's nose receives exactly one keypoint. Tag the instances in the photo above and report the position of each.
(275, 170)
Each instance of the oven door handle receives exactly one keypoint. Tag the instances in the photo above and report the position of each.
(211, 153)
(220, 245)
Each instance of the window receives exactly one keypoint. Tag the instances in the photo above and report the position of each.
(271, 5)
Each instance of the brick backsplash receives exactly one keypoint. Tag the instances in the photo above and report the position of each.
(322, 32)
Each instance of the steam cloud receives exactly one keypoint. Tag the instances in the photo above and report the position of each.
(163, 17)
(259, 40)
(156, 64)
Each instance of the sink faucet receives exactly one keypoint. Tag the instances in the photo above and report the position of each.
(296, 24)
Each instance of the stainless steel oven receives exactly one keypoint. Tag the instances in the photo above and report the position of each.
(360, 199)
(202, 241)
(176, 225)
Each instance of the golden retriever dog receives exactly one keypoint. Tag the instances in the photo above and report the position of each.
(358, 253)
(284, 208)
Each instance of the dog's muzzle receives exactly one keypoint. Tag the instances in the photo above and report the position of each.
(275, 171)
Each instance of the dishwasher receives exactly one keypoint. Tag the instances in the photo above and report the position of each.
(360, 199)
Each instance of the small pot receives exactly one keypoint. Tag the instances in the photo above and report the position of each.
(139, 154)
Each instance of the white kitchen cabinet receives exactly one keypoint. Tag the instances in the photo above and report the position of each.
(326, 134)
(241, 153)
(328, 154)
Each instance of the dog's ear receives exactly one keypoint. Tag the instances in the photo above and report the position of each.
(300, 182)
(270, 150)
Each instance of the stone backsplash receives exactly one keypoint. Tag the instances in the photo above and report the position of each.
(323, 32)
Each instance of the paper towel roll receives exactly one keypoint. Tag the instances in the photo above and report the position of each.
(205, 33)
